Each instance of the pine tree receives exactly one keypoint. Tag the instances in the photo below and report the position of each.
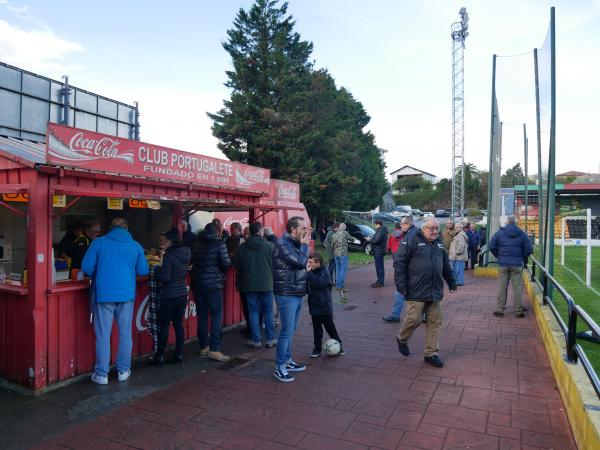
(288, 117)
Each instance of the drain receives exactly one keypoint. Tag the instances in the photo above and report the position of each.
(233, 363)
(350, 308)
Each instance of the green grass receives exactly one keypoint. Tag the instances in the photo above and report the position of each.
(355, 258)
(571, 277)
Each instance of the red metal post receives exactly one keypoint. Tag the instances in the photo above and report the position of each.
(39, 245)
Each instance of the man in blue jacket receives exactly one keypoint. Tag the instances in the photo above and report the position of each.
(113, 261)
(290, 258)
(511, 246)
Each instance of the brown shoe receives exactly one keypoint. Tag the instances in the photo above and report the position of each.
(218, 356)
(204, 351)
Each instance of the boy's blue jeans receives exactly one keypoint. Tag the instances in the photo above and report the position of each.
(104, 313)
(289, 313)
(257, 302)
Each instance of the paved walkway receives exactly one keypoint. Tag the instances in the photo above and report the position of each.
(496, 390)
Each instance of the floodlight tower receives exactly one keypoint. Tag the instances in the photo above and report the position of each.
(459, 35)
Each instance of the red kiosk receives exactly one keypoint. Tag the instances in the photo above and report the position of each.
(45, 331)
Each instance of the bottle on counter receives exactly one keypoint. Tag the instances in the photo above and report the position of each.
(2, 274)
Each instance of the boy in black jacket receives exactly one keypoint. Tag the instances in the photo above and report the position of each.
(319, 303)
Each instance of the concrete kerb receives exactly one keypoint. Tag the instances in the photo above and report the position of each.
(581, 402)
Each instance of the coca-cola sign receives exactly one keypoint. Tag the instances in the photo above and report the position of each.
(72, 147)
(286, 191)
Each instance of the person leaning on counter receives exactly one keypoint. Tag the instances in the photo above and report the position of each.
(113, 261)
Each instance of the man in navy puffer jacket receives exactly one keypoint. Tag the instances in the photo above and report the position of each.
(290, 258)
(512, 247)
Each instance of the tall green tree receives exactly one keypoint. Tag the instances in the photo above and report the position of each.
(288, 117)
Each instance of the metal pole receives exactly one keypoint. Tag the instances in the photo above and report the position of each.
(525, 144)
(541, 243)
(136, 125)
(66, 94)
(492, 133)
(563, 224)
(552, 156)
(588, 255)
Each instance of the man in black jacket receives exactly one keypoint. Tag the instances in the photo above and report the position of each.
(379, 243)
(290, 258)
(420, 266)
(210, 263)
(254, 264)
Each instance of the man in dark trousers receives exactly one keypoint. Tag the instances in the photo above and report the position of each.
(379, 245)
(420, 267)
(254, 264)
(512, 247)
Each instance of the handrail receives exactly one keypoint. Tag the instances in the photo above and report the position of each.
(575, 352)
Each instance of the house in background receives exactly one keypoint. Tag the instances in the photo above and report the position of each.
(409, 171)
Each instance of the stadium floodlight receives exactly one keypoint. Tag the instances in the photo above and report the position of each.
(459, 34)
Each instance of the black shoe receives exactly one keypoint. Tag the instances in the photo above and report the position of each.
(403, 348)
(498, 314)
(156, 361)
(176, 359)
(519, 315)
(434, 361)
(315, 354)
(377, 285)
(523, 308)
(391, 319)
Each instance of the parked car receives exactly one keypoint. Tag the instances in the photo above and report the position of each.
(402, 211)
(442, 213)
(427, 214)
(417, 212)
(386, 217)
(362, 235)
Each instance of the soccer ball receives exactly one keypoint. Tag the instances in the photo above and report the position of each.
(332, 347)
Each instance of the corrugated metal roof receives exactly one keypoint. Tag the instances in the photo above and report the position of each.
(23, 151)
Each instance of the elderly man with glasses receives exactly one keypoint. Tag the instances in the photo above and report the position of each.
(420, 266)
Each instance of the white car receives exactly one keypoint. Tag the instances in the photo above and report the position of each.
(428, 214)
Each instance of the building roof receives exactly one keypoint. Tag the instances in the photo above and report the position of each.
(414, 168)
(571, 173)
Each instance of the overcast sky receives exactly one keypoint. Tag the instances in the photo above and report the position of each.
(393, 55)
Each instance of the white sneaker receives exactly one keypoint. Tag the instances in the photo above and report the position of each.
(124, 376)
(99, 379)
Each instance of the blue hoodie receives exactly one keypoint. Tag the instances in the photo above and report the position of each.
(113, 261)
(511, 246)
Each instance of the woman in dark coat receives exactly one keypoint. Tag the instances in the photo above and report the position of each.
(172, 275)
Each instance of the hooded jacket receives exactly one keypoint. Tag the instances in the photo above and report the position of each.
(210, 262)
(319, 292)
(511, 246)
(113, 261)
(254, 264)
(420, 268)
(289, 267)
(173, 272)
(379, 241)
(394, 241)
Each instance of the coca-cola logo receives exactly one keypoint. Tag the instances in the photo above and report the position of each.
(287, 192)
(102, 148)
(256, 175)
(141, 317)
(241, 220)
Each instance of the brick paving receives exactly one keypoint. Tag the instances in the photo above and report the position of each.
(496, 390)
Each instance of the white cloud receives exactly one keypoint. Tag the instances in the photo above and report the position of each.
(22, 12)
(38, 50)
